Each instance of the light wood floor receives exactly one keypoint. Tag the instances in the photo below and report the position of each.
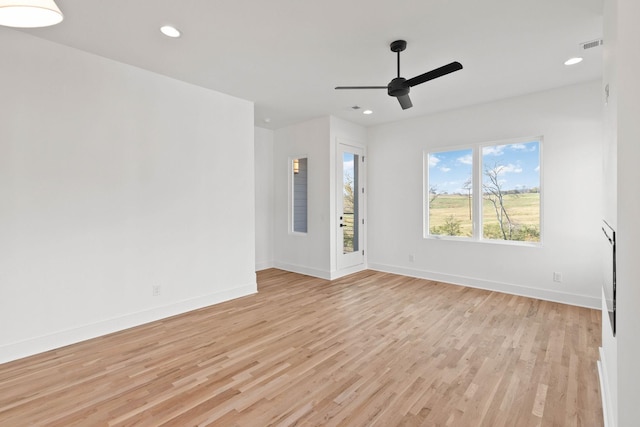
(369, 349)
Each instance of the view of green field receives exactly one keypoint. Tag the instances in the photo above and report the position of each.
(449, 214)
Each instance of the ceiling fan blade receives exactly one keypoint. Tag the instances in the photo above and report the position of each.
(434, 74)
(405, 101)
(361, 87)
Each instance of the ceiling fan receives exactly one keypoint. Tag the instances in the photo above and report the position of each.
(400, 87)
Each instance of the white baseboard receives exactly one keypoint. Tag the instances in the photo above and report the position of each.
(543, 294)
(59, 339)
(346, 271)
(307, 271)
(321, 274)
(605, 393)
(264, 265)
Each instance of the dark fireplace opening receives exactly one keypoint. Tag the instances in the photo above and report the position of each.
(609, 282)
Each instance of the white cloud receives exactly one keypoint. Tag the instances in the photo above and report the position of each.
(523, 147)
(445, 169)
(347, 168)
(433, 161)
(511, 168)
(466, 160)
(537, 169)
(494, 150)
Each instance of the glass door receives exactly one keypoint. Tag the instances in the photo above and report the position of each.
(349, 205)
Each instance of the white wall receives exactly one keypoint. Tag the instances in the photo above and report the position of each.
(303, 253)
(608, 367)
(264, 197)
(112, 180)
(570, 120)
(628, 213)
(313, 253)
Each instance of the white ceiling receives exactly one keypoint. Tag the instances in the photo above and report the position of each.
(288, 55)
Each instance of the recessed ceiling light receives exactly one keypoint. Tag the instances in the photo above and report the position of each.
(367, 112)
(573, 61)
(170, 31)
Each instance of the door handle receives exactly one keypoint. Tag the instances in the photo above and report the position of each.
(341, 225)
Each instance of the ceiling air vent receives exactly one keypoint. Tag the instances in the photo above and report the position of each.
(591, 44)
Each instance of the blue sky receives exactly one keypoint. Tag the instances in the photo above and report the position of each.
(347, 163)
(520, 166)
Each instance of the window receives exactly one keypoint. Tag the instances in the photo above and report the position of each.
(299, 195)
(511, 191)
(507, 178)
(449, 193)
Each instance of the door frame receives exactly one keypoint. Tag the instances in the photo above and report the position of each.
(349, 264)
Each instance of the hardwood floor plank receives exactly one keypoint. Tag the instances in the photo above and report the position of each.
(369, 349)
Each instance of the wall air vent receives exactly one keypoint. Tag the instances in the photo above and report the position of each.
(591, 44)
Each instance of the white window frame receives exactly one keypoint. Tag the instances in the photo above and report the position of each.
(425, 194)
(477, 202)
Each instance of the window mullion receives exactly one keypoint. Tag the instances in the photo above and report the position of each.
(477, 193)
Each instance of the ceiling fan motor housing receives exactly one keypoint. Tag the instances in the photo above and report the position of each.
(398, 46)
(398, 87)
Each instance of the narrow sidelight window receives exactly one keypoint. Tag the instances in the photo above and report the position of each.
(299, 194)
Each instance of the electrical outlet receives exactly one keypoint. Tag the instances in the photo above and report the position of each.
(155, 290)
(412, 257)
(557, 277)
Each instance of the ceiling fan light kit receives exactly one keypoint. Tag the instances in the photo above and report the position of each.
(29, 13)
(400, 87)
